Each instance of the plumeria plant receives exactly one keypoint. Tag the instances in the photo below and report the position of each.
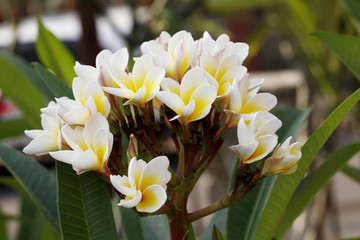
(112, 129)
(198, 90)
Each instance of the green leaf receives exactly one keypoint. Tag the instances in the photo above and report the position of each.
(244, 215)
(85, 210)
(352, 172)
(37, 181)
(353, 7)
(54, 54)
(18, 84)
(53, 83)
(155, 227)
(347, 48)
(216, 234)
(286, 185)
(231, 6)
(131, 224)
(13, 127)
(319, 179)
(219, 219)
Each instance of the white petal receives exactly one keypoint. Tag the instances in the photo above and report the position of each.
(260, 102)
(135, 170)
(132, 201)
(122, 185)
(244, 134)
(42, 144)
(171, 100)
(78, 115)
(100, 143)
(138, 96)
(74, 137)
(34, 133)
(188, 109)
(266, 144)
(66, 156)
(120, 92)
(95, 122)
(204, 96)
(155, 172)
(141, 68)
(169, 84)
(244, 151)
(120, 59)
(87, 161)
(86, 72)
(153, 198)
(78, 85)
(192, 80)
(104, 54)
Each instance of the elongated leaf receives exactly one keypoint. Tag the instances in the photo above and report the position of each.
(319, 179)
(156, 227)
(244, 215)
(219, 219)
(54, 55)
(37, 181)
(352, 172)
(85, 210)
(231, 6)
(131, 224)
(353, 6)
(349, 55)
(53, 83)
(13, 127)
(17, 84)
(286, 185)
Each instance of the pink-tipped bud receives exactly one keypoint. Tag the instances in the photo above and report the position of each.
(283, 160)
(132, 150)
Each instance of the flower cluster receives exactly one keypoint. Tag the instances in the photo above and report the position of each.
(198, 89)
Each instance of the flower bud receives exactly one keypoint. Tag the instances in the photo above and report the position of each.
(132, 150)
(283, 160)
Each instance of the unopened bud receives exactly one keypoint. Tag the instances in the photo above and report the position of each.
(283, 160)
(132, 150)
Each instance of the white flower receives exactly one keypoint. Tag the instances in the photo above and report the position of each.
(283, 160)
(141, 85)
(222, 59)
(91, 145)
(192, 99)
(105, 61)
(49, 138)
(145, 185)
(256, 136)
(175, 54)
(89, 99)
(245, 99)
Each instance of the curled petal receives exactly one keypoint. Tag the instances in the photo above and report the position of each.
(74, 137)
(66, 156)
(120, 92)
(42, 144)
(260, 102)
(130, 202)
(87, 161)
(204, 96)
(192, 80)
(86, 72)
(135, 170)
(244, 151)
(122, 185)
(142, 67)
(153, 197)
(171, 100)
(266, 144)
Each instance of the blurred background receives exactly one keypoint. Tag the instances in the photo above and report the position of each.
(297, 68)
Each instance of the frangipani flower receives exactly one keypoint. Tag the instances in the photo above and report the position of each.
(244, 98)
(105, 60)
(283, 160)
(175, 54)
(222, 59)
(141, 85)
(256, 136)
(192, 99)
(91, 145)
(49, 138)
(145, 185)
(89, 99)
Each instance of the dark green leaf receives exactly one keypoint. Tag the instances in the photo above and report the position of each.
(85, 210)
(155, 227)
(286, 185)
(349, 55)
(54, 54)
(37, 181)
(13, 127)
(53, 83)
(244, 215)
(353, 7)
(216, 234)
(319, 179)
(352, 172)
(131, 224)
(18, 84)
